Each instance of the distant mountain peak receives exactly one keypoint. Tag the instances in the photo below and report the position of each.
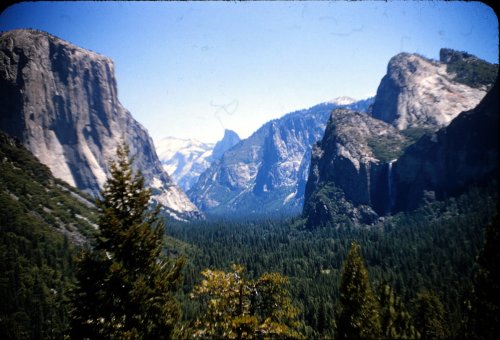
(229, 140)
(344, 100)
(186, 159)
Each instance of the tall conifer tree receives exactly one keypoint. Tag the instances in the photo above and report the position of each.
(358, 313)
(125, 286)
(396, 321)
(429, 316)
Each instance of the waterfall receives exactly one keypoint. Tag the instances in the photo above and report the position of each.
(390, 194)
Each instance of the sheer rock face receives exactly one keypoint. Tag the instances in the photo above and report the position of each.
(363, 167)
(345, 169)
(418, 92)
(61, 101)
(447, 162)
(229, 140)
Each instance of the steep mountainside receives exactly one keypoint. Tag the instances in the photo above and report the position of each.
(30, 186)
(61, 101)
(446, 163)
(422, 93)
(186, 159)
(41, 220)
(266, 173)
(347, 176)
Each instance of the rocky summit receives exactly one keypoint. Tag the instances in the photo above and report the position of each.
(61, 102)
(418, 92)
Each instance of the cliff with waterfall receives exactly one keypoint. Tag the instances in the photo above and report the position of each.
(429, 135)
(351, 169)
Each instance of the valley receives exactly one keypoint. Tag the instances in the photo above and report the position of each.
(408, 177)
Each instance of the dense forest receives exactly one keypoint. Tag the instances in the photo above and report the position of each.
(431, 249)
(425, 273)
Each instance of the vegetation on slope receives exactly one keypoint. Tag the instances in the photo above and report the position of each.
(473, 72)
(40, 220)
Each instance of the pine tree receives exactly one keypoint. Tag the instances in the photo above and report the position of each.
(125, 286)
(358, 311)
(396, 321)
(430, 316)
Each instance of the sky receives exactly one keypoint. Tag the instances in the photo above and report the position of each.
(193, 69)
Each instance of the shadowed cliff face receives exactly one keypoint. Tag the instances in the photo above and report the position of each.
(446, 163)
(418, 92)
(61, 101)
(346, 176)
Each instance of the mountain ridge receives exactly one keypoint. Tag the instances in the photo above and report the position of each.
(266, 173)
(420, 92)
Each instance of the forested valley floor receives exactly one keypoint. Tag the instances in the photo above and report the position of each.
(432, 249)
(429, 255)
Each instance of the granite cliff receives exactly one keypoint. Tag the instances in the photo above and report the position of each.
(348, 175)
(61, 102)
(446, 163)
(418, 92)
(427, 138)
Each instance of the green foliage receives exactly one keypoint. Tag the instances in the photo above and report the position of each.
(473, 72)
(432, 248)
(38, 226)
(358, 313)
(327, 207)
(413, 134)
(125, 287)
(237, 307)
(386, 147)
(486, 300)
(429, 316)
(389, 147)
(396, 321)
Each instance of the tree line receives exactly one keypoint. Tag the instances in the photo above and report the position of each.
(412, 276)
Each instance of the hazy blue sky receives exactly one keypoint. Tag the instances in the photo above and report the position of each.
(190, 69)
